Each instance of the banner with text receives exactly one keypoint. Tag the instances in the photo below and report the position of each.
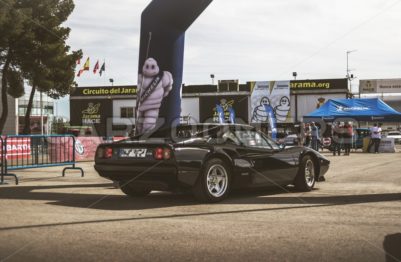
(379, 86)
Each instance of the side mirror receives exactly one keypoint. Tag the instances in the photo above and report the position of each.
(282, 146)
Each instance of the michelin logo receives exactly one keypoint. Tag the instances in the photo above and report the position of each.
(354, 108)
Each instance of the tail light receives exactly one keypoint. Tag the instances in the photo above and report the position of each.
(162, 153)
(108, 152)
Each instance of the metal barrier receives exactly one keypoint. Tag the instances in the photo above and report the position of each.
(37, 151)
(3, 162)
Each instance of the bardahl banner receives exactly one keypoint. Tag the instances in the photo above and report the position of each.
(378, 86)
(104, 91)
(319, 84)
(17, 148)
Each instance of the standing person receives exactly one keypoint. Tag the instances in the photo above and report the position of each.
(376, 136)
(335, 138)
(347, 137)
(308, 134)
(315, 136)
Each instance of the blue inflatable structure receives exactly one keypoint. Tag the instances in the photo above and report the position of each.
(161, 58)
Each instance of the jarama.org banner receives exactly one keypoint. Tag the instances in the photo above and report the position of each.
(270, 99)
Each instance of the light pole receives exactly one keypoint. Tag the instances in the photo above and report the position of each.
(349, 76)
(295, 74)
(212, 77)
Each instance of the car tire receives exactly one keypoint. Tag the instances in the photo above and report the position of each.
(306, 177)
(213, 184)
(131, 191)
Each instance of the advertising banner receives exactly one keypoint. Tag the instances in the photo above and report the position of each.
(17, 148)
(93, 112)
(387, 145)
(270, 101)
(319, 84)
(379, 86)
(223, 109)
(85, 148)
(161, 57)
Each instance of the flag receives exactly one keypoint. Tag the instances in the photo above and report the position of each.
(96, 67)
(80, 72)
(102, 69)
(86, 65)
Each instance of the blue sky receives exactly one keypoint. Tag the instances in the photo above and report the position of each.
(249, 40)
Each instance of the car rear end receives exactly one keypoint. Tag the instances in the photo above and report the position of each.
(151, 165)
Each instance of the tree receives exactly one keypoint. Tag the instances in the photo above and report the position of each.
(59, 125)
(33, 47)
(50, 67)
(12, 23)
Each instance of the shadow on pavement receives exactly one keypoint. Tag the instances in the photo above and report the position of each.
(119, 201)
(392, 246)
(164, 200)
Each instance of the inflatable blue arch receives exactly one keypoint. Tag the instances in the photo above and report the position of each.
(161, 58)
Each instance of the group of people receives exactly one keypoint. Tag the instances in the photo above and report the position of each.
(342, 136)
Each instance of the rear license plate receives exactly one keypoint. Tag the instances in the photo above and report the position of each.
(133, 152)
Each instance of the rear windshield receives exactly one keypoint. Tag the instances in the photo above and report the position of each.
(190, 131)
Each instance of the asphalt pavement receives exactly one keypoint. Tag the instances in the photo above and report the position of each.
(354, 216)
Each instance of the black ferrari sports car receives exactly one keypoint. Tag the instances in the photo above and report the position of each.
(210, 160)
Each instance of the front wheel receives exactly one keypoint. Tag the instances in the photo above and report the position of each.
(132, 191)
(305, 179)
(213, 184)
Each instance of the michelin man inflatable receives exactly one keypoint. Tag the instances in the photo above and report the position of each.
(153, 86)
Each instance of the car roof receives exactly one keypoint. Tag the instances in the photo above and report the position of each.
(166, 132)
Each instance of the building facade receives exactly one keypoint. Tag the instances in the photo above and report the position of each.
(110, 111)
(42, 110)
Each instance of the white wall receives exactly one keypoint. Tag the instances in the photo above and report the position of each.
(190, 106)
(308, 103)
(117, 105)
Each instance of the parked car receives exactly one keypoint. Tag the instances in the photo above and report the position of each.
(210, 160)
(396, 135)
(291, 140)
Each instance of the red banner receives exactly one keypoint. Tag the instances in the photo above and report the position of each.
(17, 148)
(59, 149)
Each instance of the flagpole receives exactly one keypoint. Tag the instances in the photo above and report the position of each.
(149, 40)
